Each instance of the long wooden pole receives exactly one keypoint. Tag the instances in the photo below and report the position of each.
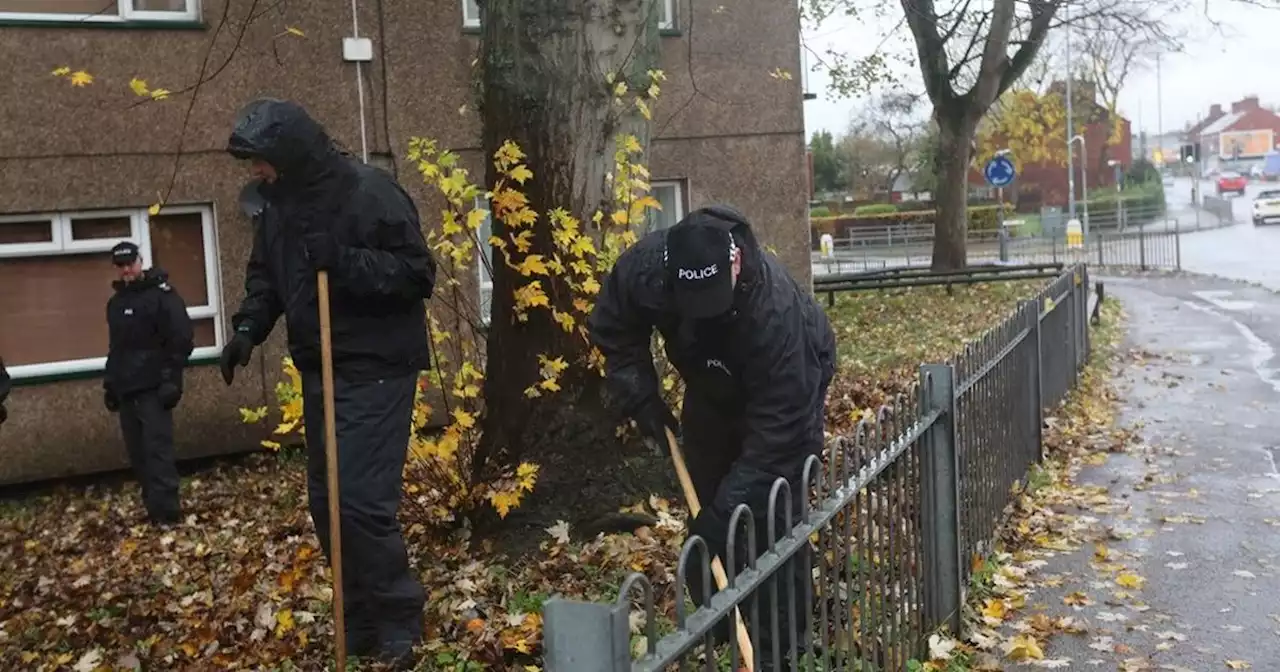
(331, 463)
(717, 569)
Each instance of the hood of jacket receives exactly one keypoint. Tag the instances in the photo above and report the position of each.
(283, 134)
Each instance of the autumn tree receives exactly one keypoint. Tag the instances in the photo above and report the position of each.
(552, 74)
(892, 120)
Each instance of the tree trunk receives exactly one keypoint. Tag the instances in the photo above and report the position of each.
(544, 88)
(951, 165)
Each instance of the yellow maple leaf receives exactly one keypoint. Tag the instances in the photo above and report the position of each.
(61, 72)
(139, 86)
(994, 611)
(284, 622)
(294, 31)
(160, 94)
(1130, 580)
(532, 264)
(531, 295)
(250, 416)
(81, 78)
(521, 174)
(1023, 647)
(464, 419)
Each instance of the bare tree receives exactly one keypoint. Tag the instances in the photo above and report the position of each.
(894, 117)
(969, 53)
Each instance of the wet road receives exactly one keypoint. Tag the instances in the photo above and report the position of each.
(1195, 509)
(1242, 252)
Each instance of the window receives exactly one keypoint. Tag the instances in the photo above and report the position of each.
(671, 195)
(56, 271)
(483, 267)
(100, 11)
(471, 14)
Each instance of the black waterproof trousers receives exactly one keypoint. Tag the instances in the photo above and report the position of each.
(383, 599)
(148, 437)
(712, 441)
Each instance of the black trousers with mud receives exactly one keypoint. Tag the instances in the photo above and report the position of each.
(712, 441)
(148, 437)
(383, 599)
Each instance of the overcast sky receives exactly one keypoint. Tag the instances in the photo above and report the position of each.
(1216, 68)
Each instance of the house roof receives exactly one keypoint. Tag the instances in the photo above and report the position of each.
(1222, 123)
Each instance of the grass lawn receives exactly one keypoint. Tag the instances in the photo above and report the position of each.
(242, 584)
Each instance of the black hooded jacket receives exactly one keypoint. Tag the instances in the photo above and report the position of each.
(150, 335)
(384, 271)
(766, 363)
(5, 383)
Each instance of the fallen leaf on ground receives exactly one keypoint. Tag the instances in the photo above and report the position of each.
(1023, 647)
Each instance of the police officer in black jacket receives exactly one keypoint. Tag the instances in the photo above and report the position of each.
(756, 353)
(4, 391)
(150, 341)
(315, 208)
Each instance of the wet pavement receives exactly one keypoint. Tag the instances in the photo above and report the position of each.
(1194, 519)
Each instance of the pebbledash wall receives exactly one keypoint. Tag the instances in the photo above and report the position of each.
(80, 165)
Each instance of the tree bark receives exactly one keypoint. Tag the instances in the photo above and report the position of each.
(951, 165)
(543, 86)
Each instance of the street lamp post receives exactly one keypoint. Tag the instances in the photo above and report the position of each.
(1084, 178)
(1071, 129)
(1195, 188)
(1120, 219)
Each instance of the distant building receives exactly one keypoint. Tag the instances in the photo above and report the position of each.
(1238, 138)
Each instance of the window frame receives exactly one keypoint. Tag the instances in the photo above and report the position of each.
(484, 280)
(472, 22)
(667, 24)
(680, 185)
(140, 235)
(125, 13)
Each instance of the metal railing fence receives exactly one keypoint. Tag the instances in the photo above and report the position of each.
(892, 516)
(1136, 248)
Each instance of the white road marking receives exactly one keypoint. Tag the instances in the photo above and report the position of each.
(1261, 352)
(1219, 298)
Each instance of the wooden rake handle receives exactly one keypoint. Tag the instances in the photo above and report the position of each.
(717, 568)
(331, 464)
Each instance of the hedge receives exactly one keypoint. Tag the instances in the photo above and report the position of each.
(875, 209)
(981, 218)
(1144, 202)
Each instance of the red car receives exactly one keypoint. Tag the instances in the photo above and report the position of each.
(1231, 182)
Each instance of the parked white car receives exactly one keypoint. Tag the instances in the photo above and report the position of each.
(1266, 207)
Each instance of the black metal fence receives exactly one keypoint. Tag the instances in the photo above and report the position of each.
(893, 517)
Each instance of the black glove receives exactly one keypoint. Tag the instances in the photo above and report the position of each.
(170, 395)
(654, 418)
(109, 400)
(321, 248)
(236, 353)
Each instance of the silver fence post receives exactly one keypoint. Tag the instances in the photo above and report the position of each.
(585, 636)
(1142, 249)
(941, 515)
(1084, 324)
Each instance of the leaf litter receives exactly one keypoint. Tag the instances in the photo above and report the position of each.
(242, 584)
